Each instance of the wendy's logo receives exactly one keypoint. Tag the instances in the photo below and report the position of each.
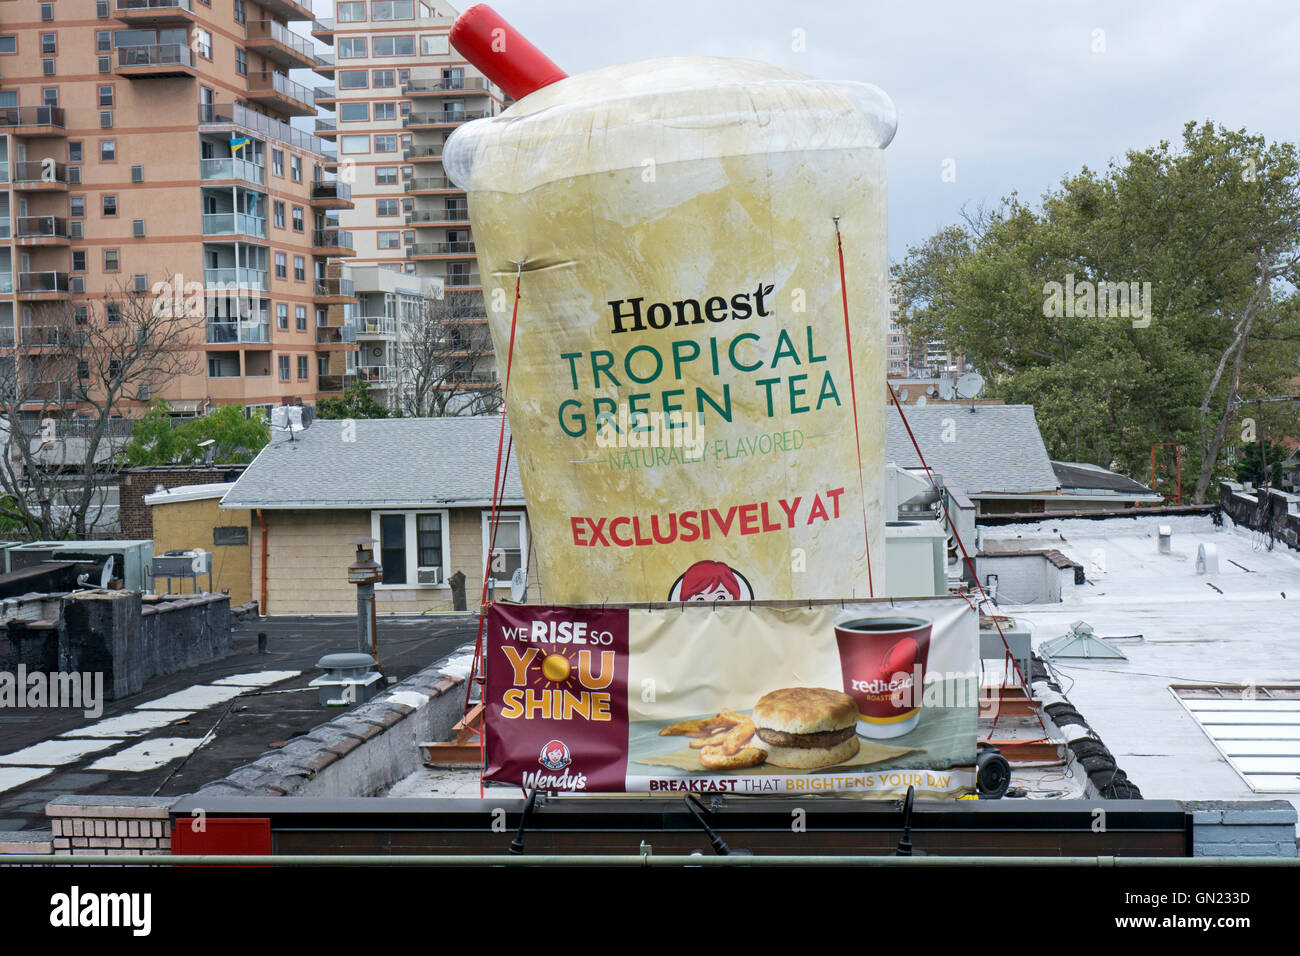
(555, 755)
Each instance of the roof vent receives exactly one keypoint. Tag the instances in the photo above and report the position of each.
(1166, 539)
(348, 679)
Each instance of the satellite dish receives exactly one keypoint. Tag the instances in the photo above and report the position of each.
(902, 394)
(920, 400)
(931, 391)
(970, 385)
(946, 390)
(518, 585)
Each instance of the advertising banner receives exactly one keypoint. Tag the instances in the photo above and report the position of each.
(869, 697)
(683, 383)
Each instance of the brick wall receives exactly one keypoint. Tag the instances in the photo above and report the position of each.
(135, 483)
(1243, 828)
(110, 826)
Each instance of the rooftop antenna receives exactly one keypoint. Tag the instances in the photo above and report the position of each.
(970, 385)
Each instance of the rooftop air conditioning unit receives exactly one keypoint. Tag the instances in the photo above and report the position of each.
(430, 575)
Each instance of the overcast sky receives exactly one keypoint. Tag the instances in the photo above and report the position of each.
(1012, 92)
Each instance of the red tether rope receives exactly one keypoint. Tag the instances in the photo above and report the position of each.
(853, 392)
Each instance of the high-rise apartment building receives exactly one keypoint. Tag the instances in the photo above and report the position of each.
(142, 140)
(400, 91)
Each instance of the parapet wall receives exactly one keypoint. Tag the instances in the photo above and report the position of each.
(1275, 512)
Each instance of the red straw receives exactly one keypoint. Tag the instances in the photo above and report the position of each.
(502, 53)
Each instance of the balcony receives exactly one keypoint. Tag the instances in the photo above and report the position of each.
(279, 44)
(336, 335)
(329, 383)
(332, 242)
(431, 184)
(33, 121)
(6, 336)
(431, 119)
(234, 224)
(40, 177)
(335, 290)
(465, 280)
(232, 170)
(4, 172)
(154, 62)
(376, 327)
(41, 231)
(262, 126)
(461, 249)
(238, 332)
(285, 9)
(323, 30)
(326, 128)
(423, 153)
(438, 217)
(380, 376)
(153, 11)
(6, 283)
(50, 336)
(326, 97)
(331, 194)
(235, 279)
(439, 86)
(276, 91)
(325, 65)
(42, 285)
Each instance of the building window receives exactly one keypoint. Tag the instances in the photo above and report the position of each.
(78, 260)
(385, 175)
(395, 46)
(110, 260)
(282, 317)
(392, 10)
(281, 266)
(322, 317)
(105, 96)
(108, 150)
(357, 143)
(295, 168)
(385, 111)
(297, 218)
(352, 12)
(108, 204)
(299, 269)
(49, 43)
(507, 554)
(350, 47)
(412, 547)
(241, 61)
(353, 79)
(203, 42)
(277, 212)
(303, 372)
(386, 207)
(240, 14)
(284, 368)
(384, 79)
(300, 321)
(277, 162)
(50, 96)
(76, 206)
(388, 240)
(83, 369)
(434, 44)
(354, 112)
(385, 143)
(9, 43)
(74, 151)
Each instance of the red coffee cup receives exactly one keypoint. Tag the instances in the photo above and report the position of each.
(883, 662)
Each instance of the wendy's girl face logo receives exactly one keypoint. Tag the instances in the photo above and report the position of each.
(555, 755)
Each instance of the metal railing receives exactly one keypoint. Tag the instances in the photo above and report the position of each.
(323, 189)
(31, 227)
(225, 333)
(374, 374)
(335, 335)
(6, 282)
(458, 248)
(331, 239)
(457, 214)
(146, 6)
(329, 383)
(233, 223)
(40, 173)
(424, 151)
(462, 280)
(232, 168)
(324, 60)
(32, 116)
(325, 93)
(4, 172)
(335, 287)
(376, 325)
(170, 54)
(42, 282)
(278, 33)
(425, 117)
(237, 114)
(325, 126)
(444, 83)
(50, 335)
(268, 82)
(430, 182)
(322, 25)
(235, 278)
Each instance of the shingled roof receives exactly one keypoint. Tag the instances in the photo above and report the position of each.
(995, 449)
(387, 463)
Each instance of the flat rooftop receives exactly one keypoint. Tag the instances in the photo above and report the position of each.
(1239, 626)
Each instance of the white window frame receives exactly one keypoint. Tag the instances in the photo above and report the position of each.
(502, 515)
(412, 547)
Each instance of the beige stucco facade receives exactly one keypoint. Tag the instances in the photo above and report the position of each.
(185, 525)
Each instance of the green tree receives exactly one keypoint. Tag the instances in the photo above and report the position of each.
(1213, 226)
(357, 402)
(1249, 467)
(159, 440)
